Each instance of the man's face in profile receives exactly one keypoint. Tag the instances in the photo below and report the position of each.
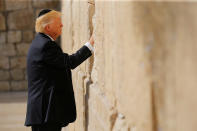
(56, 26)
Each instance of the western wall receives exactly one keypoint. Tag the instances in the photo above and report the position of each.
(143, 75)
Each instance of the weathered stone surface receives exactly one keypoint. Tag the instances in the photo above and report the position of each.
(174, 65)
(121, 83)
(17, 74)
(75, 36)
(4, 86)
(17, 4)
(18, 85)
(81, 100)
(4, 75)
(7, 49)
(121, 125)
(14, 36)
(45, 3)
(95, 123)
(21, 19)
(4, 62)
(18, 62)
(144, 65)
(2, 37)
(106, 93)
(2, 22)
(22, 49)
(27, 36)
(103, 109)
(2, 5)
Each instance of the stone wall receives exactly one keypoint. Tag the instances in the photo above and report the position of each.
(142, 76)
(17, 20)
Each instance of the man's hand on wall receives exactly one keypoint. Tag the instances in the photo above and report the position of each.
(92, 40)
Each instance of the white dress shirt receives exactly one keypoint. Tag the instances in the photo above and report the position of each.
(91, 48)
(50, 37)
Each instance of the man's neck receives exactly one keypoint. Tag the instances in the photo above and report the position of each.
(52, 38)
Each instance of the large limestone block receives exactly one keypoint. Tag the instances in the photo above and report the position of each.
(4, 86)
(14, 36)
(3, 37)
(21, 19)
(17, 4)
(120, 124)
(22, 49)
(18, 62)
(102, 108)
(2, 22)
(117, 81)
(2, 5)
(178, 68)
(76, 25)
(120, 66)
(169, 43)
(94, 122)
(4, 75)
(80, 101)
(7, 50)
(45, 3)
(17, 74)
(144, 64)
(67, 33)
(27, 36)
(18, 85)
(76, 33)
(4, 62)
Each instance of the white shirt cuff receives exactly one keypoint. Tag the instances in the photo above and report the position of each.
(89, 46)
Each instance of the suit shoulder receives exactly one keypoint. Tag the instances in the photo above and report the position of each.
(51, 45)
(40, 39)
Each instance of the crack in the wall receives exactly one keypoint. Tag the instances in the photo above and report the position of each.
(84, 79)
(120, 123)
(88, 81)
(91, 11)
(154, 113)
(113, 118)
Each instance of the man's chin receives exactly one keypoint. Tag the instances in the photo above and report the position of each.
(59, 33)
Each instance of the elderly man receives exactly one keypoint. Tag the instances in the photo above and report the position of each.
(51, 102)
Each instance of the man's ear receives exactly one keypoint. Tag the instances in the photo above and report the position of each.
(47, 28)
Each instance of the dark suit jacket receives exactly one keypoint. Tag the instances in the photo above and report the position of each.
(50, 91)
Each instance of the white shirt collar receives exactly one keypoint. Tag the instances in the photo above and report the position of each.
(50, 37)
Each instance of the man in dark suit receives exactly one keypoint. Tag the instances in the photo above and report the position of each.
(51, 102)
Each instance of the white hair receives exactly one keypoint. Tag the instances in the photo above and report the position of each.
(46, 19)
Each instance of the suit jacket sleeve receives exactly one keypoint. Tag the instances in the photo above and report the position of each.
(54, 56)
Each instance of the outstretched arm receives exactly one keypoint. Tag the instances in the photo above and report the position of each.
(54, 56)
